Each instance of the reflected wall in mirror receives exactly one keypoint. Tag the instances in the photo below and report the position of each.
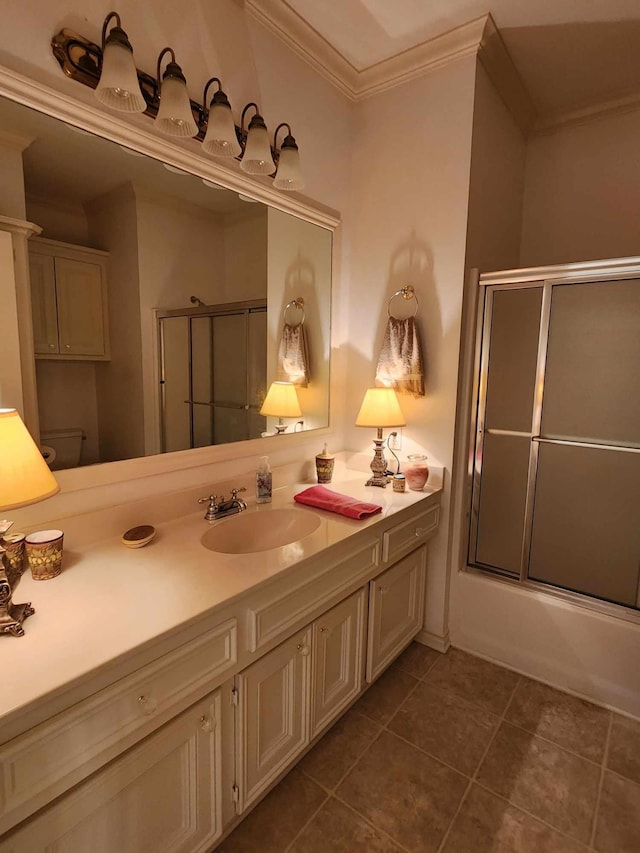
(127, 243)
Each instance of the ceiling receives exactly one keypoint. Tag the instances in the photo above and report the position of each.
(569, 53)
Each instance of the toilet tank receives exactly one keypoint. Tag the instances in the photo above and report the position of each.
(67, 444)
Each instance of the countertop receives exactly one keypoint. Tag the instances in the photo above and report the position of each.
(109, 600)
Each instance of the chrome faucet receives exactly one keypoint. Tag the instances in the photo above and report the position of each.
(221, 508)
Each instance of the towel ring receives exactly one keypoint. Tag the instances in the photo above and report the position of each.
(407, 292)
(297, 304)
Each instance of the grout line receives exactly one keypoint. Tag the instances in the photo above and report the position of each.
(605, 759)
(371, 824)
(553, 743)
(302, 828)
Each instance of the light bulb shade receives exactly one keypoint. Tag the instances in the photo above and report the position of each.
(380, 408)
(281, 401)
(174, 116)
(220, 139)
(24, 475)
(289, 176)
(257, 159)
(118, 87)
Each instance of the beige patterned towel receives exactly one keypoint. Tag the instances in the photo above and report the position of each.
(400, 364)
(293, 358)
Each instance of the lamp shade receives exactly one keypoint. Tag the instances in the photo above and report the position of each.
(281, 401)
(118, 87)
(220, 139)
(289, 176)
(174, 116)
(380, 408)
(257, 159)
(24, 475)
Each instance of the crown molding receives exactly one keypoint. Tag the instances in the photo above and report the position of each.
(285, 23)
(497, 62)
(551, 122)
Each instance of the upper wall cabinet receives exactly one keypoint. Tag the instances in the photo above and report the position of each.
(69, 301)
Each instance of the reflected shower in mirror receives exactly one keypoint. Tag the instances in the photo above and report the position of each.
(127, 364)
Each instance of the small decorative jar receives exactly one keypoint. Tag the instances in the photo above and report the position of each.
(416, 471)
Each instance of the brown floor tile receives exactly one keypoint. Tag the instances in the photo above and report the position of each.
(404, 792)
(550, 783)
(276, 821)
(446, 727)
(416, 659)
(618, 826)
(338, 750)
(624, 748)
(487, 824)
(383, 698)
(573, 723)
(336, 829)
(474, 679)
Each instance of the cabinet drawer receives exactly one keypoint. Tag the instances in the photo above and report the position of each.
(291, 610)
(59, 753)
(408, 535)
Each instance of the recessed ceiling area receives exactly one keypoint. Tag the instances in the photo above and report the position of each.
(569, 53)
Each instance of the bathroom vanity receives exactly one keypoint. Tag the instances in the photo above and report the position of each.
(159, 693)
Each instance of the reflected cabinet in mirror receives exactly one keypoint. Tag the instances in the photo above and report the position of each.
(162, 305)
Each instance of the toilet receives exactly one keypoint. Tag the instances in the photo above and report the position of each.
(61, 448)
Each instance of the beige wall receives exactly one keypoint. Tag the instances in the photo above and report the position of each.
(582, 192)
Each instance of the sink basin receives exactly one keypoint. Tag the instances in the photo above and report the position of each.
(250, 532)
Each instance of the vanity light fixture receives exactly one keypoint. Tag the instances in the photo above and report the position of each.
(288, 176)
(167, 100)
(220, 140)
(281, 402)
(118, 86)
(256, 157)
(380, 408)
(25, 479)
(175, 117)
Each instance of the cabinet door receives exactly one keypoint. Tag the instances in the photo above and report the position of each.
(43, 304)
(163, 796)
(338, 657)
(81, 309)
(273, 709)
(396, 607)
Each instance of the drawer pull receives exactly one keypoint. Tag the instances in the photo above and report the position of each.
(383, 589)
(420, 531)
(147, 705)
(207, 724)
(324, 630)
(303, 648)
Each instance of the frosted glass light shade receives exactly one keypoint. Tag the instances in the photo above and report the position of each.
(174, 116)
(289, 176)
(119, 87)
(24, 475)
(281, 401)
(257, 159)
(220, 139)
(380, 408)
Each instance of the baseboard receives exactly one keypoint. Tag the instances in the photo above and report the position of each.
(434, 641)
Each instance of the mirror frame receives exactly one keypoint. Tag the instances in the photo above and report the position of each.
(134, 135)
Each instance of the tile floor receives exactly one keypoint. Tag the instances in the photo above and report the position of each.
(452, 754)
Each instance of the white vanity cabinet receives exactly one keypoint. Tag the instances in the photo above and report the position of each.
(163, 796)
(69, 304)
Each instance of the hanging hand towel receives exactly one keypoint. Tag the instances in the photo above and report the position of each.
(321, 498)
(293, 360)
(400, 361)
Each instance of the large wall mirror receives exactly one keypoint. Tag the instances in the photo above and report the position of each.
(163, 305)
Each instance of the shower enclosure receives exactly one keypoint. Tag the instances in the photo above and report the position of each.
(212, 373)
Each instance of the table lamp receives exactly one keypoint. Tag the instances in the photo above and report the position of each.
(281, 402)
(380, 408)
(24, 479)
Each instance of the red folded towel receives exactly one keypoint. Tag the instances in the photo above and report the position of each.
(323, 498)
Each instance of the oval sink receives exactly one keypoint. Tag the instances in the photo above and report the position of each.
(249, 532)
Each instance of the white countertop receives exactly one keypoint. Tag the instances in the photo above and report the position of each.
(109, 600)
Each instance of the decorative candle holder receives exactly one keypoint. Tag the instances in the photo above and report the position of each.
(416, 471)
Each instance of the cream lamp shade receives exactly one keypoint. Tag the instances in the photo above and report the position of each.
(281, 401)
(380, 408)
(24, 476)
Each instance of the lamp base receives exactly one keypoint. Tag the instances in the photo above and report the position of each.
(378, 464)
(11, 615)
(280, 428)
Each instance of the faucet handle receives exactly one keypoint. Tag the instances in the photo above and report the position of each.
(211, 499)
(236, 492)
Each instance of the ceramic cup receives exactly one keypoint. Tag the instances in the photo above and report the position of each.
(324, 467)
(44, 553)
(13, 544)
